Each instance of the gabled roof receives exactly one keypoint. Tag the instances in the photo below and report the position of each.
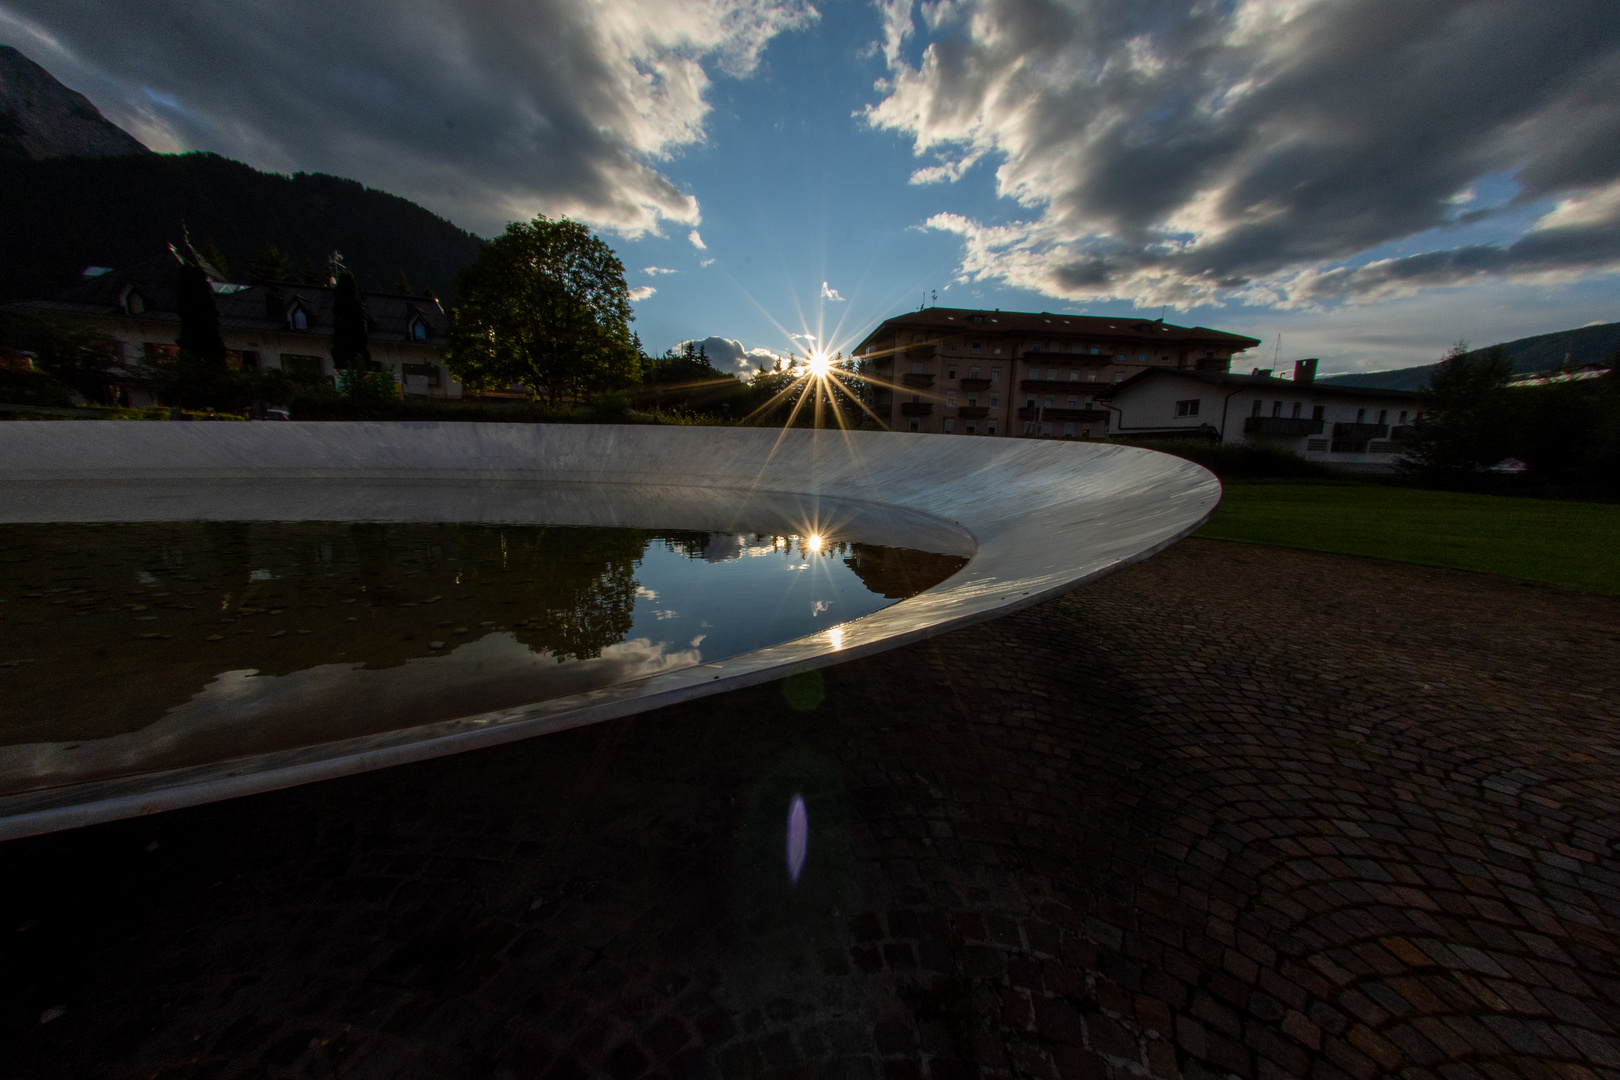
(241, 307)
(962, 321)
(1232, 383)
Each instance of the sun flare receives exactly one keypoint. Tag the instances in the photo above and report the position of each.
(819, 364)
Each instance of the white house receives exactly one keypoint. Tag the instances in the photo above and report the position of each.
(1352, 427)
(275, 325)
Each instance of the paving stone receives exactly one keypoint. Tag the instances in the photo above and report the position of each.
(1231, 811)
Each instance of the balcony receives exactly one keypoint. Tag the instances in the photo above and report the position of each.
(916, 408)
(1353, 438)
(1050, 413)
(1290, 427)
(973, 412)
(1057, 386)
(1067, 358)
(975, 385)
(1360, 432)
(917, 379)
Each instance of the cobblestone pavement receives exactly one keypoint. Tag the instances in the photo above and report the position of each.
(1233, 811)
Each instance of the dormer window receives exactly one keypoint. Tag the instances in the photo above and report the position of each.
(419, 331)
(298, 318)
(132, 301)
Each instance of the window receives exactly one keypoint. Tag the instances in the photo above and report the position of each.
(1095, 350)
(298, 318)
(950, 399)
(973, 373)
(1029, 403)
(1383, 416)
(972, 428)
(950, 373)
(995, 401)
(997, 350)
(916, 338)
(918, 369)
(1051, 374)
(1276, 408)
(1119, 376)
(1297, 407)
(1035, 346)
(1318, 412)
(1046, 429)
(1091, 376)
(914, 425)
(995, 374)
(420, 377)
(1068, 431)
(1257, 404)
(1050, 401)
(1074, 374)
(950, 425)
(1319, 445)
(1361, 416)
(978, 346)
(418, 330)
(1187, 408)
(1074, 402)
(1403, 416)
(973, 399)
(915, 398)
(990, 428)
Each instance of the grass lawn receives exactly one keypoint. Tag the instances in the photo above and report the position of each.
(1575, 544)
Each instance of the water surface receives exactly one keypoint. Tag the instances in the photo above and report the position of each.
(127, 647)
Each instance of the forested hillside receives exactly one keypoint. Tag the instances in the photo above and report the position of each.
(1586, 345)
(61, 215)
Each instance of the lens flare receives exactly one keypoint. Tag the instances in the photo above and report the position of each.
(819, 364)
(814, 542)
(798, 838)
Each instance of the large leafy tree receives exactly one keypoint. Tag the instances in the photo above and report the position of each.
(1468, 419)
(545, 307)
(350, 347)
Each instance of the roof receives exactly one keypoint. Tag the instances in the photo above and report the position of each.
(265, 307)
(1232, 383)
(958, 320)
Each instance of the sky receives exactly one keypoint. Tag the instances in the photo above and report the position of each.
(1365, 181)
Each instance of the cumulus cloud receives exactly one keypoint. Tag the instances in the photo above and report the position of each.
(697, 241)
(729, 354)
(1264, 149)
(641, 292)
(654, 271)
(831, 294)
(487, 111)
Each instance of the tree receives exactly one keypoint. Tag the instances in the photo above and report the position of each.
(349, 345)
(272, 265)
(1467, 422)
(545, 307)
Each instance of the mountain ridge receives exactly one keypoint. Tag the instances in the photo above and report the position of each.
(41, 119)
(1540, 352)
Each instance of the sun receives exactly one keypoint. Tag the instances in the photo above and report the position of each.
(819, 364)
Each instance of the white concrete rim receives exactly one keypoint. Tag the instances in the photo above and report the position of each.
(1043, 516)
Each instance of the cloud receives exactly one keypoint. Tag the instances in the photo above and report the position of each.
(829, 293)
(1265, 149)
(641, 292)
(705, 262)
(697, 241)
(654, 271)
(486, 112)
(728, 354)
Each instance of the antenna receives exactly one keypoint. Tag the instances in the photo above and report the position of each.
(1275, 351)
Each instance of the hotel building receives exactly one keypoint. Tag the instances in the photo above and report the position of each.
(966, 372)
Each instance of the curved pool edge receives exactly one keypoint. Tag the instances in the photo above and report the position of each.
(1046, 517)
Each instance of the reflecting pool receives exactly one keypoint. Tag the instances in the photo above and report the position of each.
(140, 646)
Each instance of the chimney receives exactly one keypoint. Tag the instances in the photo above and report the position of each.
(1305, 370)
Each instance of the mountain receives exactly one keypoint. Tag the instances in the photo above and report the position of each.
(60, 215)
(40, 118)
(1587, 345)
